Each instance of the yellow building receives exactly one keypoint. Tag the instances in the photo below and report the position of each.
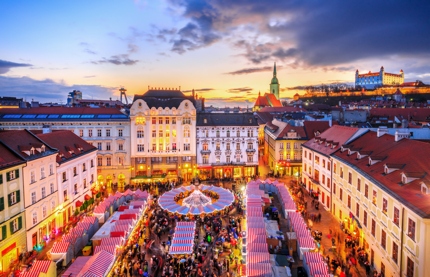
(12, 218)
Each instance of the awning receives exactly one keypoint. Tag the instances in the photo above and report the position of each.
(87, 197)
(78, 204)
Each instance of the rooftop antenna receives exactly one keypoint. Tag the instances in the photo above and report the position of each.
(123, 90)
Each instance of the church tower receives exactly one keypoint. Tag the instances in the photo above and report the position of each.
(274, 85)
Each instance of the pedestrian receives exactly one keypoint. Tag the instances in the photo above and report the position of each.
(319, 217)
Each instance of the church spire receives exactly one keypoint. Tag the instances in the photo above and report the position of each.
(274, 84)
(274, 70)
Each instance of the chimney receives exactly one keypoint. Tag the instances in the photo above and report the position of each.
(382, 130)
(400, 135)
(46, 129)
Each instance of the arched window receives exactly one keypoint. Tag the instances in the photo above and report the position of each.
(186, 132)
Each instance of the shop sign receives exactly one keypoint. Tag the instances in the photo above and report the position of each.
(8, 249)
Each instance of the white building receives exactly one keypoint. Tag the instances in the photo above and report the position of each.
(374, 80)
(39, 177)
(76, 170)
(108, 129)
(162, 136)
(227, 145)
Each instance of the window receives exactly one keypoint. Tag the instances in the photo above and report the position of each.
(65, 195)
(75, 188)
(328, 182)
(16, 225)
(42, 172)
(341, 194)
(75, 171)
(384, 205)
(382, 269)
(108, 161)
(154, 133)
(108, 146)
(411, 229)
(328, 165)
(140, 133)
(349, 201)
(51, 188)
(53, 206)
(217, 159)
(153, 120)
(81, 133)
(205, 159)
(383, 239)
(238, 146)
(227, 146)
(366, 190)
(334, 168)
(395, 252)
(140, 148)
(227, 159)
(350, 178)
(108, 132)
(187, 147)
(238, 133)
(160, 147)
(34, 216)
(99, 145)
(90, 133)
(32, 177)
(409, 268)
(51, 169)
(160, 134)
(120, 160)
(64, 176)
(207, 133)
(43, 211)
(357, 210)
(43, 192)
(84, 182)
(334, 188)
(358, 184)
(228, 133)
(250, 133)
(217, 133)
(33, 197)
(99, 161)
(296, 145)
(250, 158)
(238, 158)
(317, 160)
(186, 133)
(341, 172)
(99, 133)
(373, 230)
(167, 120)
(120, 132)
(186, 120)
(396, 216)
(173, 120)
(365, 218)
(287, 145)
(281, 145)
(374, 197)
(323, 163)
(174, 146)
(92, 163)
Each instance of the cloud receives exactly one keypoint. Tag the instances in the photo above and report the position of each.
(48, 90)
(201, 90)
(90, 76)
(122, 59)
(87, 49)
(240, 90)
(5, 66)
(252, 70)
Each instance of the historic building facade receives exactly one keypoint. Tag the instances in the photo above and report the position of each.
(227, 145)
(374, 80)
(163, 136)
(108, 129)
(12, 216)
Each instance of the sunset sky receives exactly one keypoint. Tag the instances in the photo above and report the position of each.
(224, 49)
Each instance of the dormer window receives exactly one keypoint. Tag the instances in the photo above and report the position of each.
(424, 189)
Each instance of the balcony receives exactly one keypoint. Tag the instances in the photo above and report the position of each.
(250, 150)
(205, 151)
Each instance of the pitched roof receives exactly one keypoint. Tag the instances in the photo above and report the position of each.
(226, 119)
(313, 127)
(261, 102)
(273, 101)
(283, 109)
(337, 135)
(8, 158)
(68, 144)
(410, 156)
(409, 113)
(163, 98)
(23, 141)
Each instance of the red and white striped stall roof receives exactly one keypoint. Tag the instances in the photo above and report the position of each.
(68, 238)
(40, 266)
(322, 275)
(258, 257)
(254, 212)
(77, 232)
(182, 242)
(108, 248)
(29, 274)
(101, 208)
(318, 268)
(121, 228)
(98, 265)
(125, 222)
(313, 257)
(185, 224)
(306, 243)
(128, 192)
(261, 231)
(257, 247)
(84, 225)
(60, 247)
(254, 238)
(181, 249)
(137, 203)
(112, 241)
(90, 219)
(259, 270)
(184, 235)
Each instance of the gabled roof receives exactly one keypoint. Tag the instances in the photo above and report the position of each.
(23, 141)
(338, 135)
(226, 119)
(412, 159)
(8, 158)
(313, 127)
(261, 101)
(68, 144)
(273, 101)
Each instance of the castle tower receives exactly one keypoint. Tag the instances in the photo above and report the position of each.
(274, 85)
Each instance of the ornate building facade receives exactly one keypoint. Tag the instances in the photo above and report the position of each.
(163, 136)
(227, 145)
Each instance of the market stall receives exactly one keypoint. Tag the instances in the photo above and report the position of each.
(41, 269)
(61, 251)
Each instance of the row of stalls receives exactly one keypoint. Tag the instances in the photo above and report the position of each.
(42, 269)
(256, 251)
(108, 240)
(183, 238)
(312, 261)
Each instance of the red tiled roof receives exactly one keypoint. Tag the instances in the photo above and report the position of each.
(282, 109)
(61, 110)
(311, 127)
(274, 102)
(409, 113)
(69, 144)
(412, 154)
(261, 102)
(338, 134)
(8, 158)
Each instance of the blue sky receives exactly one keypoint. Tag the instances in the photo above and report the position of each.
(223, 49)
